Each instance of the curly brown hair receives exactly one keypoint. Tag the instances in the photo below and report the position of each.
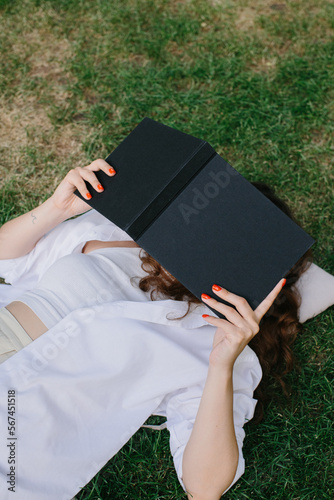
(278, 328)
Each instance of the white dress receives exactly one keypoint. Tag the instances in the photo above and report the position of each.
(90, 382)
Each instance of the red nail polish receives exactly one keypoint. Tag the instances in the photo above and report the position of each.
(205, 296)
(205, 315)
(112, 171)
(216, 287)
(284, 281)
(99, 186)
(89, 196)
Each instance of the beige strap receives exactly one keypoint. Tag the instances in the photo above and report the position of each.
(156, 427)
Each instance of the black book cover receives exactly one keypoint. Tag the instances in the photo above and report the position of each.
(196, 215)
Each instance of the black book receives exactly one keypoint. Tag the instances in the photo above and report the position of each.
(196, 215)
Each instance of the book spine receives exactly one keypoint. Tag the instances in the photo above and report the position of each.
(188, 171)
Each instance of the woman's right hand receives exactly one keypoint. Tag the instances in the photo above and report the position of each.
(64, 198)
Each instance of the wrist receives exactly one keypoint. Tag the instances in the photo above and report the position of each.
(57, 214)
(223, 371)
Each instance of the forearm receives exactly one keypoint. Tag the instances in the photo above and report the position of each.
(19, 236)
(210, 458)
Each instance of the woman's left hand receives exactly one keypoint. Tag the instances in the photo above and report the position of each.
(243, 324)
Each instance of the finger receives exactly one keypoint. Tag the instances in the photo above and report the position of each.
(265, 305)
(226, 326)
(90, 177)
(231, 314)
(100, 164)
(239, 302)
(77, 182)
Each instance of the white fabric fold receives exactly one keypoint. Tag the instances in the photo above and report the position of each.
(87, 385)
(82, 390)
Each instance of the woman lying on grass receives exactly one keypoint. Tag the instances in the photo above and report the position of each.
(206, 426)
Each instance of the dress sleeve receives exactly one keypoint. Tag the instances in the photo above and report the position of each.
(68, 237)
(182, 407)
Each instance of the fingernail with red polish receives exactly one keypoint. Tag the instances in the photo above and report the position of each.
(216, 287)
(205, 315)
(99, 186)
(89, 196)
(112, 171)
(284, 281)
(205, 296)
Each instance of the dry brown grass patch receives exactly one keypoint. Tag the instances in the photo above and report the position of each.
(247, 15)
(25, 126)
(26, 130)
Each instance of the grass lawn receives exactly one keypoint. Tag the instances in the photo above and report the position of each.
(253, 78)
